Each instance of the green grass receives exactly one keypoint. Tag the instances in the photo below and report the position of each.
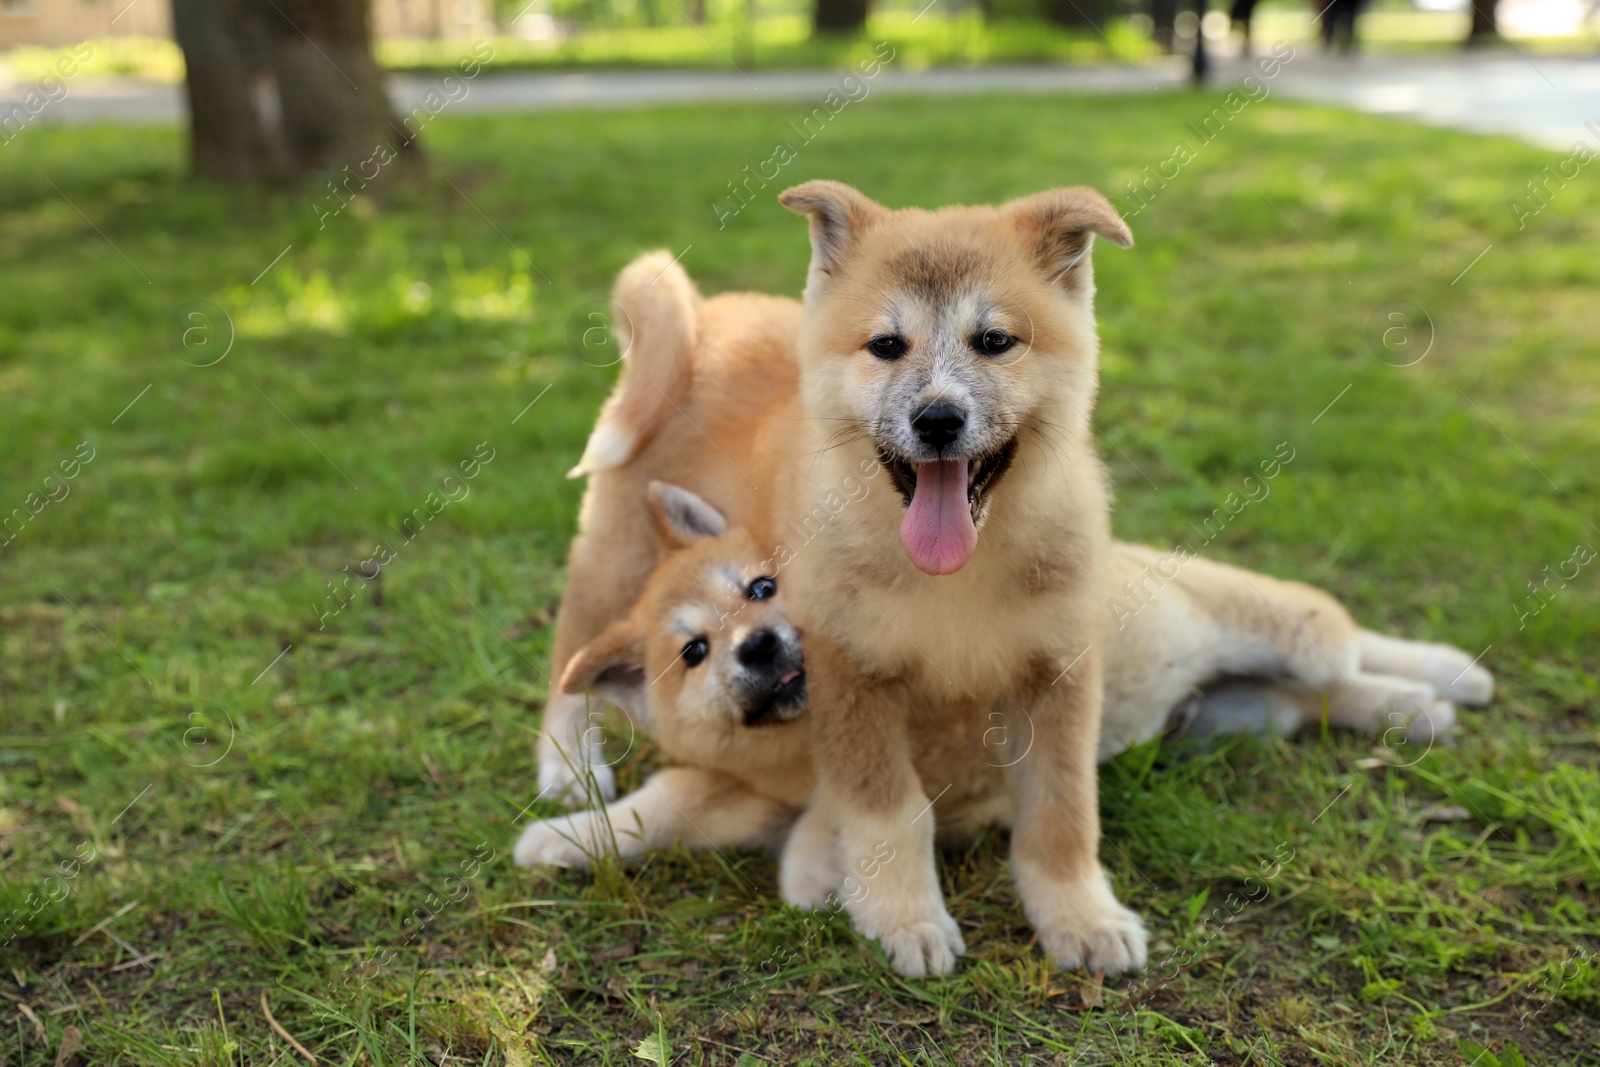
(772, 41)
(784, 41)
(332, 826)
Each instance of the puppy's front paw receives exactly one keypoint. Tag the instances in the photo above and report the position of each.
(569, 786)
(1080, 923)
(809, 870)
(1107, 937)
(930, 946)
(552, 843)
(805, 886)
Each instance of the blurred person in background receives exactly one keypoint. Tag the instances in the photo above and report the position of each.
(1239, 15)
(1339, 24)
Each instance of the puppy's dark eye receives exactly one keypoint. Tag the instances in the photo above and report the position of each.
(993, 342)
(762, 589)
(887, 347)
(695, 652)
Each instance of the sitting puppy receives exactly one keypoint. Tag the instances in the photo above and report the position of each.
(711, 666)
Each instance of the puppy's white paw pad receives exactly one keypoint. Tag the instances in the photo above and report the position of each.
(1474, 688)
(807, 890)
(1422, 726)
(551, 843)
(924, 948)
(1441, 719)
(573, 789)
(1114, 942)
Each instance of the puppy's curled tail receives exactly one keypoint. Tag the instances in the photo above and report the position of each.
(653, 315)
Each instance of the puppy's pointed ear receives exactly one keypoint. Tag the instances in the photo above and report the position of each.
(612, 665)
(1060, 224)
(838, 216)
(682, 517)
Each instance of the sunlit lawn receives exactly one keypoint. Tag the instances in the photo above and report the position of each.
(784, 40)
(331, 823)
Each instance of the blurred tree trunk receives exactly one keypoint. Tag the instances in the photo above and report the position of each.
(1163, 23)
(1484, 27)
(281, 88)
(840, 16)
(1076, 14)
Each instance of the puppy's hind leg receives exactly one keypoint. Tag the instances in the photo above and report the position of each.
(1456, 675)
(1243, 706)
(1263, 627)
(1398, 710)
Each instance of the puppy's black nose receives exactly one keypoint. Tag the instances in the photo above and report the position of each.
(759, 649)
(939, 423)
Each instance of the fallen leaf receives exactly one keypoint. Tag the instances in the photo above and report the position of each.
(1448, 813)
(619, 952)
(70, 1040)
(655, 1049)
(27, 1009)
(513, 1045)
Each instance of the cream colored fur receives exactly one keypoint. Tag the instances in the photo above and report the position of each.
(731, 430)
(741, 787)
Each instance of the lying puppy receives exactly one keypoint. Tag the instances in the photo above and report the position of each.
(710, 665)
(707, 399)
(714, 659)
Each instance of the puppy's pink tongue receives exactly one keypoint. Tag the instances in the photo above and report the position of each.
(937, 530)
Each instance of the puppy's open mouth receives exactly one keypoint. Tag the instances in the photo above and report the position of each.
(785, 701)
(946, 501)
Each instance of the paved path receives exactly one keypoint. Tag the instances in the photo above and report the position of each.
(1545, 100)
